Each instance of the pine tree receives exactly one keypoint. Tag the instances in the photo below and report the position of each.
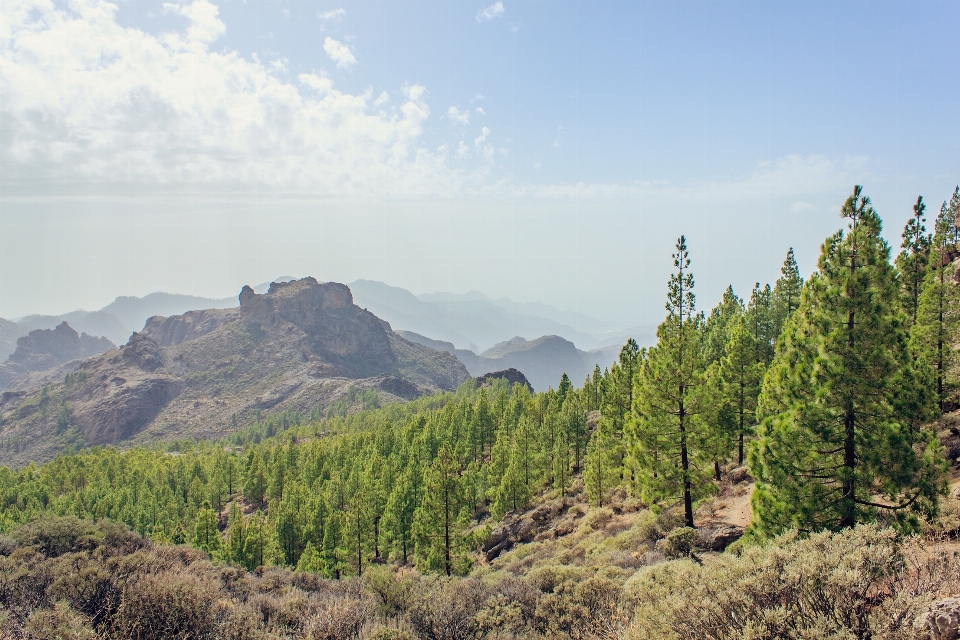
(936, 329)
(255, 484)
(235, 535)
(718, 323)
(831, 439)
(786, 292)
(740, 376)
(912, 261)
(438, 534)
(399, 513)
(206, 536)
(311, 561)
(666, 435)
(762, 321)
(603, 462)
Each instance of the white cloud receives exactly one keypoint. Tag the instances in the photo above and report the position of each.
(382, 99)
(460, 117)
(484, 132)
(92, 107)
(334, 15)
(204, 25)
(463, 150)
(489, 13)
(339, 53)
(481, 111)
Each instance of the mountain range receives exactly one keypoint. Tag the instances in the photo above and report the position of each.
(300, 346)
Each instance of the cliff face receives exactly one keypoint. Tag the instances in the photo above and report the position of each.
(299, 346)
(44, 349)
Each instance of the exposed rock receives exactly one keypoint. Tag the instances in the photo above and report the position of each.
(298, 347)
(44, 349)
(723, 537)
(941, 621)
(511, 375)
(167, 332)
(517, 528)
(142, 352)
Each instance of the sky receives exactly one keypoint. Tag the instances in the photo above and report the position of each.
(548, 151)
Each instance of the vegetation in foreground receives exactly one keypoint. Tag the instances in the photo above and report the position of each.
(827, 388)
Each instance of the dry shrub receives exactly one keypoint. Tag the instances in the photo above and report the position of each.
(170, 604)
(58, 623)
(509, 609)
(581, 611)
(858, 583)
(54, 536)
(447, 608)
(338, 618)
(548, 577)
(281, 611)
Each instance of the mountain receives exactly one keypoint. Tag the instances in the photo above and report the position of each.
(543, 361)
(464, 322)
(44, 349)
(126, 314)
(578, 321)
(9, 332)
(300, 346)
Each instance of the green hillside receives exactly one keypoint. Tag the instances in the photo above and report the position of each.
(596, 510)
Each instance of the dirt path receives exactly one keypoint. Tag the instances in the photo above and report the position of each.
(736, 510)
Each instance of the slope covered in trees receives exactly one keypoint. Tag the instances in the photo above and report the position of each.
(827, 387)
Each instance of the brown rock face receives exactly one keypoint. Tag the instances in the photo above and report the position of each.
(44, 349)
(167, 332)
(338, 331)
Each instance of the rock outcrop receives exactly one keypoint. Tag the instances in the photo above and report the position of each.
(941, 621)
(298, 347)
(512, 376)
(44, 349)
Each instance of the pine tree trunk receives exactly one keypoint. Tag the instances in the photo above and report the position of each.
(685, 465)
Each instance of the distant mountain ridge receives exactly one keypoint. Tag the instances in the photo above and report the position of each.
(119, 319)
(301, 346)
(474, 319)
(543, 360)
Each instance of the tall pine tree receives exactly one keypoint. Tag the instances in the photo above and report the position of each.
(912, 261)
(666, 434)
(833, 449)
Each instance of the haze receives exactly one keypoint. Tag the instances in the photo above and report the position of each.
(540, 151)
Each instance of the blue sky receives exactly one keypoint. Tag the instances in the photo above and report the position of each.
(540, 150)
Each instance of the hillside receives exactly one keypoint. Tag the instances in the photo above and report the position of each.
(299, 347)
(543, 361)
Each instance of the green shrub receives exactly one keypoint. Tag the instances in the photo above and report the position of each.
(681, 542)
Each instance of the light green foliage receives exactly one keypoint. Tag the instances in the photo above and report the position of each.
(740, 375)
(786, 292)
(833, 437)
(717, 329)
(205, 533)
(936, 329)
(667, 434)
(912, 261)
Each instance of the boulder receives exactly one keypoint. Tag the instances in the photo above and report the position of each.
(941, 621)
(724, 536)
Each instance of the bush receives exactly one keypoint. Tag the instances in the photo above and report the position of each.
(853, 584)
(680, 543)
(169, 604)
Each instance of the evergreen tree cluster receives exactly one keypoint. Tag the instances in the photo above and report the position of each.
(826, 388)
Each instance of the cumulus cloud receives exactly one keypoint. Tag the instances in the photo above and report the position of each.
(339, 53)
(90, 106)
(460, 117)
(489, 13)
